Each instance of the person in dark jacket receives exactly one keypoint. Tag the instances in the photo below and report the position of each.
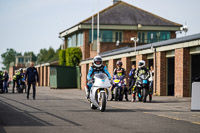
(132, 78)
(32, 77)
(1, 81)
(5, 81)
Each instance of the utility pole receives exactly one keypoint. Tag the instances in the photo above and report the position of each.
(98, 41)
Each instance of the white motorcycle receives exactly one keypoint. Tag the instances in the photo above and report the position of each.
(99, 92)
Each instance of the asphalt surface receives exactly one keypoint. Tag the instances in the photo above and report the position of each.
(63, 111)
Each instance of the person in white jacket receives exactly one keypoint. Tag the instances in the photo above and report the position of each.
(151, 79)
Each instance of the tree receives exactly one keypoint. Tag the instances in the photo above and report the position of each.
(73, 56)
(47, 55)
(34, 57)
(41, 56)
(8, 57)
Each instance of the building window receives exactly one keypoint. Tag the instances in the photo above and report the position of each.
(117, 36)
(21, 60)
(153, 36)
(80, 39)
(106, 36)
(69, 42)
(75, 40)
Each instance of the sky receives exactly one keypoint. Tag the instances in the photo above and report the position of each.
(30, 25)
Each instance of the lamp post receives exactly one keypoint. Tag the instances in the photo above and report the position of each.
(135, 39)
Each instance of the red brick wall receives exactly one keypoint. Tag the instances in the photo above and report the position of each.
(161, 73)
(127, 66)
(92, 52)
(127, 34)
(84, 71)
(182, 72)
(111, 66)
(38, 70)
(173, 34)
(86, 46)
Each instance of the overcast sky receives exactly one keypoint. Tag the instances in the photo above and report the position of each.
(29, 25)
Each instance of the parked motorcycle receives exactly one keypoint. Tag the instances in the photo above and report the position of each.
(99, 92)
(21, 86)
(119, 88)
(143, 88)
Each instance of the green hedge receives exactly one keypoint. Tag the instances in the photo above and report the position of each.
(62, 57)
(73, 56)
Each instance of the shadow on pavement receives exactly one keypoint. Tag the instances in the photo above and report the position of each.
(11, 116)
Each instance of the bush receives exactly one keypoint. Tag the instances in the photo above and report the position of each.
(73, 56)
(62, 57)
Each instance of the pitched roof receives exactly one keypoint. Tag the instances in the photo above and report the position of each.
(123, 13)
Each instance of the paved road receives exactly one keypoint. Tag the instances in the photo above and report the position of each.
(61, 111)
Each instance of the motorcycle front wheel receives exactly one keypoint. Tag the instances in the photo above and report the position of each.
(144, 96)
(102, 102)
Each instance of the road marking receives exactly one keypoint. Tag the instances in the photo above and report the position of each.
(196, 123)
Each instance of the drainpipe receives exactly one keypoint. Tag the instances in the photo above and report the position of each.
(155, 72)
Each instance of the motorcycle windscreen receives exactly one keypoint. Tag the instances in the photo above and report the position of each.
(100, 75)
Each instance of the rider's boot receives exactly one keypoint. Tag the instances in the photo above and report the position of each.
(112, 97)
(87, 92)
(126, 97)
(133, 99)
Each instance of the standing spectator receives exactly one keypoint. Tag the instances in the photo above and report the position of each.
(151, 79)
(1, 82)
(5, 82)
(32, 77)
(132, 78)
(14, 82)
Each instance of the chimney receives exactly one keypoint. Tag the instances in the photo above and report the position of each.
(115, 1)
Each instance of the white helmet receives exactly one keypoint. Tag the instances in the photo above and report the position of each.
(141, 63)
(97, 59)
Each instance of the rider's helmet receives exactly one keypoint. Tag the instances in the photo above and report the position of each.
(141, 63)
(21, 70)
(119, 63)
(97, 61)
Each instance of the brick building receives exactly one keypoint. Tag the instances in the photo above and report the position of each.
(175, 60)
(176, 63)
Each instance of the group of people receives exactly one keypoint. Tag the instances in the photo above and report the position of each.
(4, 81)
(22, 77)
(119, 71)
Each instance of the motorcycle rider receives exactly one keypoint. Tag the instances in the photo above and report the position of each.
(141, 70)
(120, 72)
(97, 67)
(18, 77)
